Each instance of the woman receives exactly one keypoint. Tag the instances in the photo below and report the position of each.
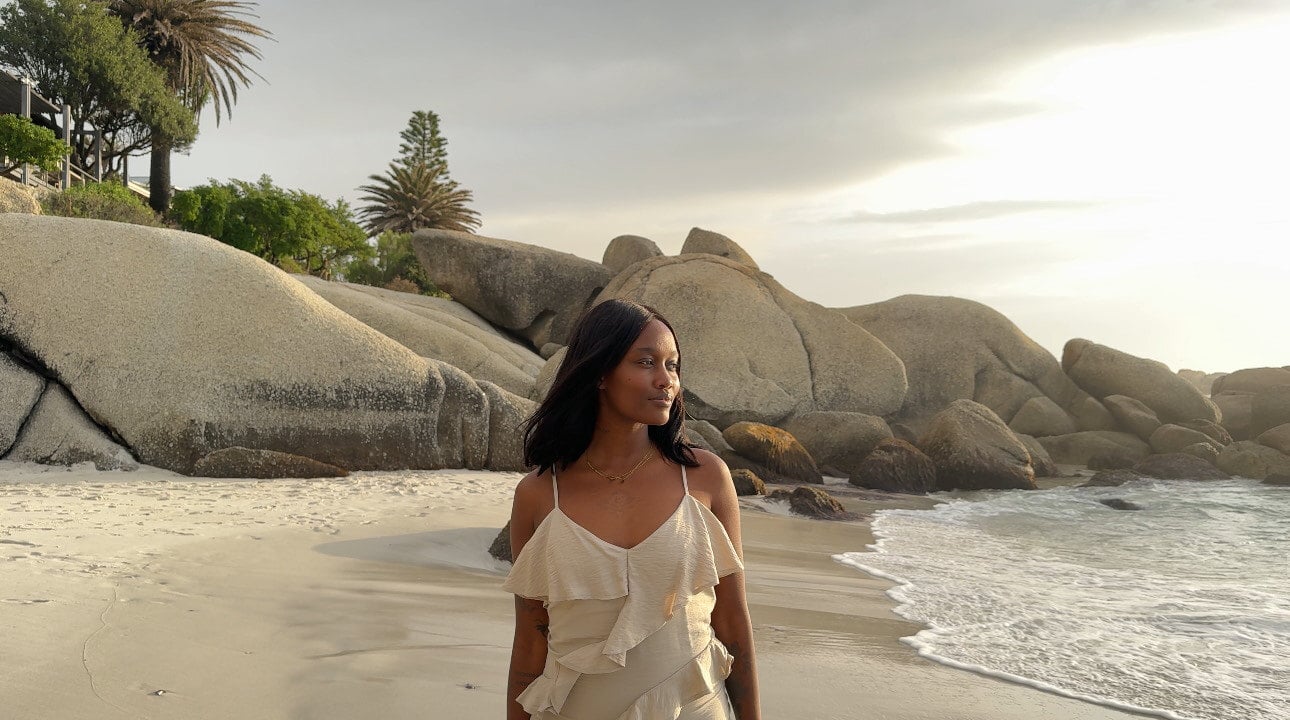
(628, 579)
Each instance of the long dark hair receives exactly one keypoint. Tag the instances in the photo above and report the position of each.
(560, 430)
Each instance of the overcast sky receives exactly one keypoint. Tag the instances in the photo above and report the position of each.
(1113, 169)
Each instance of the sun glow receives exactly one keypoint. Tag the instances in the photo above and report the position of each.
(1197, 119)
(1153, 176)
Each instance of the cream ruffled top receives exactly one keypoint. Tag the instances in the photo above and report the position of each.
(645, 609)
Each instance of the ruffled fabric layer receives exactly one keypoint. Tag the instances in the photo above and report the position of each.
(700, 677)
(688, 554)
(564, 561)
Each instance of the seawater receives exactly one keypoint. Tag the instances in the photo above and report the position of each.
(1180, 609)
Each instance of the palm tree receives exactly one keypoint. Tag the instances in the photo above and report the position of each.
(409, 197)
(203, 46)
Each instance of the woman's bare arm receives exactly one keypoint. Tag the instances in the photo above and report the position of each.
(730, 618)
(528, 649)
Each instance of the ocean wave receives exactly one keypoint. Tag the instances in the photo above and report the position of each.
(1180, 610)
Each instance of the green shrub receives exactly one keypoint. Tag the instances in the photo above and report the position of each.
(22, 141)
(102, 201)
(293, 229)
(394, 260)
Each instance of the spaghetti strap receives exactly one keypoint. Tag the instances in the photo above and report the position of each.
(555, 488)
(684, 483)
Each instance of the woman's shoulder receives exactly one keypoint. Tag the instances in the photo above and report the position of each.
(535, 490)
(711, 474)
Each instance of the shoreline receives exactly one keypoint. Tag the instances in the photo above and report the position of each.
(375, 597)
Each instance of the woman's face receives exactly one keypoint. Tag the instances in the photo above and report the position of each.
(642, 386)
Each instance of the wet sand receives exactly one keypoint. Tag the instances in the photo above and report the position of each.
(148, 595)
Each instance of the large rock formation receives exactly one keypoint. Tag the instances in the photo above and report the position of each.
(1236, 408)
(1211, 429)
(1252, 380)
(974, 450)
(506, 415)
(430, 330)
(1104, 371)
(532, 291)
(839, 441)
(1202, 381)
(752, 350)
(747, 483)
(1278, 438)
(20, 389)
(955, 349)
(813, 503)
(1078, 448)
(1238, 393)
(1205, 451)
(1252, 460)
(546, 376)
(1178, 466)
(1041, 416)
(1170, 438)
(1269, 409)
(58, 432)
(627, 250)
(702, 430)
(240, 462)
(896, 466)
(1132, 415)
(1040, 460)
(773, 448)
(17, 198)
(710, 243)
(181, 346)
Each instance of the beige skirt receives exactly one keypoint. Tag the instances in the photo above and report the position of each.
(714, 706)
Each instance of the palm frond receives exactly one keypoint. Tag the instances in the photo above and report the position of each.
(407, 198)
(204, 45)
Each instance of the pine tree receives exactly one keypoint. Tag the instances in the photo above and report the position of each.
(422, 143)
(416, 191)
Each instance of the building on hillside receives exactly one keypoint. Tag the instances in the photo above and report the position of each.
(19, 97)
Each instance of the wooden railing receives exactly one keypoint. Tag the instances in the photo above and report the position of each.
(76, 175)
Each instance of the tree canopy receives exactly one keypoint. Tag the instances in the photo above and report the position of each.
(394, 264)
(409, 198)
(77, 53)
(422, 144)
(22, 141)
(292, 229)
(416, 191)
(202, 47)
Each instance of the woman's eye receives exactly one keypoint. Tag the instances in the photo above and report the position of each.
(647, 362)
(674, 367)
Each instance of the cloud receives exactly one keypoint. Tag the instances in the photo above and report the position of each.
(552, 107)
(982, 210)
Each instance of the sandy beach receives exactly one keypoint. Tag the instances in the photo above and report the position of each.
(152, 595)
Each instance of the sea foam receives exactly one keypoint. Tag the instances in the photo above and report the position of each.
(1181, 609)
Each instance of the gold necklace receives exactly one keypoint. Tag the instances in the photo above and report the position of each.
(620, 478)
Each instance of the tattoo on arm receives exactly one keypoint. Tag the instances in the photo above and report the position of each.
(537, 614)
(527, 665)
